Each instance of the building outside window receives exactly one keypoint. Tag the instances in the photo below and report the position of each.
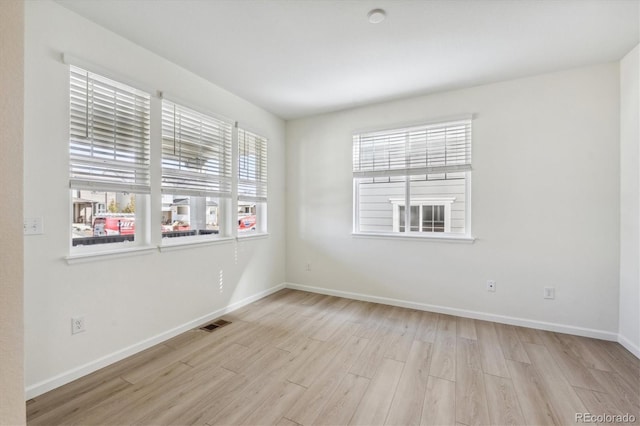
(427, 214)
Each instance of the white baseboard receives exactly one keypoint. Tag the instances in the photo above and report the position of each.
(523, 322)
(68, 376)
(628, 344)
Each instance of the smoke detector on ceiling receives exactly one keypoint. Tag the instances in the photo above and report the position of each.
(376, 16)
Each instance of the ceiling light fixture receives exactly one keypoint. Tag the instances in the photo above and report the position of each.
(376, 16)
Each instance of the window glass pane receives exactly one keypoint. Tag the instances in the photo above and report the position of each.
(427, 218)
(439, 191)
(247, 217)
(184, 215)
(415, 218)
(252, 165)
(381, 204)
(100, 217)
(438, 219)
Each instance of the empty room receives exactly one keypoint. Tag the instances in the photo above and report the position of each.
(332, 212)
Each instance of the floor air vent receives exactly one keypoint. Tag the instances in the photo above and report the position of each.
(215, 325)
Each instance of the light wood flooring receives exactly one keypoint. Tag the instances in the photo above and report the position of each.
(302, 358)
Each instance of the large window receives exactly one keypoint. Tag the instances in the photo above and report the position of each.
(252, 183)
(413, 180)
(196, 173)
(213, 174)
(108, 160)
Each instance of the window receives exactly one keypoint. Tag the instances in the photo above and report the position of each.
(427, 215)
(196, 172)
(252, 183)
(108, 160)
(426, 168)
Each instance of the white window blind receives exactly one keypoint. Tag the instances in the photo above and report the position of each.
(252, 167)
(109, 134)
(418, 150)
(196, 152)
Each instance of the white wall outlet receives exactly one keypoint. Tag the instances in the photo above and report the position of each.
(549, 293)
(33, 226)
(491, 285)
(308, 267)
(77, 325)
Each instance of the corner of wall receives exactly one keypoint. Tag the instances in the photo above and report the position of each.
(12, 406)
(629, 282)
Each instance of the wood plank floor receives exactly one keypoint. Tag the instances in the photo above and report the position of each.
(297, 358)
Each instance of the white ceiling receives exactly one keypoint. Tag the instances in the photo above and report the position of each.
(303, 57)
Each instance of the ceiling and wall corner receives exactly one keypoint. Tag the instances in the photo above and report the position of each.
(301, 58)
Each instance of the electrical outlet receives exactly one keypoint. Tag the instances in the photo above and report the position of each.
(491, 285)
(77, 325)
(549, 293)
(308, 266)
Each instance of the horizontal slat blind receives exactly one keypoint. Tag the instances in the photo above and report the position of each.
(109, 134)
(196, 152)
(434, 148)
(252, 166)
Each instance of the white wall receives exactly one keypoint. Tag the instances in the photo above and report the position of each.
(545, 205)
(630, 201)
(129, 300)
(12, 407)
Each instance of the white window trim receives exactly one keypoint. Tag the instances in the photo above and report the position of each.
(142, 240)
(422, 201)
(253, 236)
(406, 173)
(110, 253)
(192, 241)
(415, 236)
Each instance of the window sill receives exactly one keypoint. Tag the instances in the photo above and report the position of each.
(253, 236)
(108, 254)
(431, 238)
(178, 245)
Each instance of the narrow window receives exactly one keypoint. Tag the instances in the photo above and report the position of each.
(252, 183)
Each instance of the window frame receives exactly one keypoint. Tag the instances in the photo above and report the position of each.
(421, 202)
(141, 189)
(261, 196)
(225, 177)
(425, 236)
(147, 237)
